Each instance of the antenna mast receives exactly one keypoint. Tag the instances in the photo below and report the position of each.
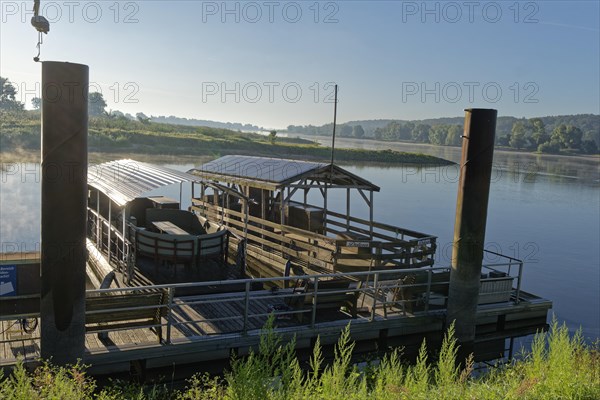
(334, 122)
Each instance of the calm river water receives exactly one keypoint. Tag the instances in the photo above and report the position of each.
(544, 210)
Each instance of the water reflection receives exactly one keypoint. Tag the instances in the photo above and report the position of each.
(560, 168)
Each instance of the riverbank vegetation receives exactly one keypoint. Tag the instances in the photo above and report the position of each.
(559, 366)
(20, 130)
(565, 134)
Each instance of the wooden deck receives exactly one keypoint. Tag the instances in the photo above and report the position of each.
(211, 329)
(207, 321)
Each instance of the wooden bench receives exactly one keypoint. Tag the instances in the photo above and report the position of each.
(122, 311)
(332, 294)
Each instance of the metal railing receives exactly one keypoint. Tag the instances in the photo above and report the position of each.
(195, 314)
(204, 309)
(495, 270)
(112, 242)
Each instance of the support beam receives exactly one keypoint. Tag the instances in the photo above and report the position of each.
(370, 202)
(64, 210)
(348, 209)
(471, 217)
(98, 222)
(109, 241)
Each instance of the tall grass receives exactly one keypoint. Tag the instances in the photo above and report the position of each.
(559, 366)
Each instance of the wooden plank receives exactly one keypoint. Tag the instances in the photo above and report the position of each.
(286, 228)
(169, 227)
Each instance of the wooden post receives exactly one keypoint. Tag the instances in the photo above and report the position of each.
(469, 227)
(64, 210)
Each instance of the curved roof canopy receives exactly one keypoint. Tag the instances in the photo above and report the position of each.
(125, 180)
(276, 173)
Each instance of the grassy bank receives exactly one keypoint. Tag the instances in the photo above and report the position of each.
(558, 367)
(21, 131)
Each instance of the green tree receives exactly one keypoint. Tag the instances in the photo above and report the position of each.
(8, 93)
(405, 131)
(438, 134)
(345, 130)
(454, 137)
(539, 134)
(517, 135)
(143, 118)
(358, 131)
(567, 136)
(36, 103)
(272, 136)
(96, 104)
(589, 147)
(392, 131)
(549, 147)
(378, 134)
(420, 133)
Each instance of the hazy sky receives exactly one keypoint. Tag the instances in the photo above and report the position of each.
(271, 63)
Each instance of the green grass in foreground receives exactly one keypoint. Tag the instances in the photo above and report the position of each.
(558, 367)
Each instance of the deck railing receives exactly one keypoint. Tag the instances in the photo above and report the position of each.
(111, 241)
(204, 309)
(347, 243)
(502, 271)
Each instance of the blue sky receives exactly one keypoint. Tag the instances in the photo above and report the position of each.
(271, 63)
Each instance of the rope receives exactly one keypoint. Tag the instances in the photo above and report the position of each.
(6, 330)
(29, 328)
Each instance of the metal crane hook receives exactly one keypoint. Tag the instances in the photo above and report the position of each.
(41, 25)
(39, 47)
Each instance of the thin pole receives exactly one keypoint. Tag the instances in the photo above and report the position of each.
(334, 122)
(332, 157)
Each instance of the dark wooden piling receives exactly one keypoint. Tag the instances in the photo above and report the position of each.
(471, 217)
(64, 202)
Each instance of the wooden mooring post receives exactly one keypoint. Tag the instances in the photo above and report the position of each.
(64, 214)
(469, 227)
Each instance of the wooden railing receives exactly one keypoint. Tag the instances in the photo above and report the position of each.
(359, 246)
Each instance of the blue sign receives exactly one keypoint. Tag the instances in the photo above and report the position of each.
(8, 280)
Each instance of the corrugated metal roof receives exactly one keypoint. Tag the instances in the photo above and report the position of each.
(276, 172)
(264, 169)
(125, 180)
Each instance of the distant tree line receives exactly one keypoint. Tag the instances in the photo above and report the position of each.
(552, 134)
(97, 108)
(234, 126)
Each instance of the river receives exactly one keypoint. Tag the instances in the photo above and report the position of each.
(542, 209)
